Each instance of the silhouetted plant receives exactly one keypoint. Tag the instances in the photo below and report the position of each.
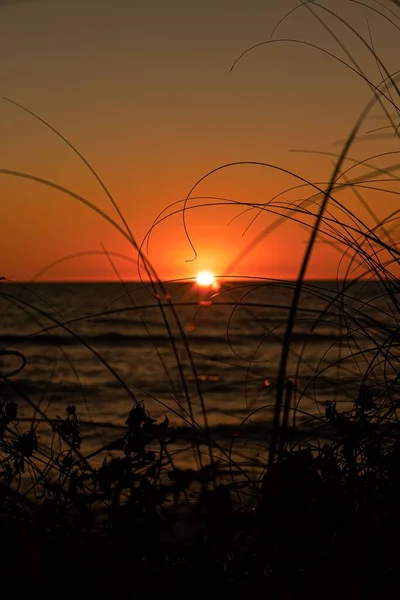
(326, 506)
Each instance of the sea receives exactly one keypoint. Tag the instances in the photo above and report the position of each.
(204, 357)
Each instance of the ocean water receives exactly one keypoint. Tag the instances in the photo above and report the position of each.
(192, 353)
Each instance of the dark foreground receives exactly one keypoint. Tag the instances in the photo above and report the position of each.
(323, 521)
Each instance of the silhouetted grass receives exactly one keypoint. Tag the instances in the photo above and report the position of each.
(317, 512)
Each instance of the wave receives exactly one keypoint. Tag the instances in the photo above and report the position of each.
(124, 339)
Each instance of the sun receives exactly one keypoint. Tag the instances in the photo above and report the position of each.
(205, 278)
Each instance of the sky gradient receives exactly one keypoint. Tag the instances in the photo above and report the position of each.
(143, 89)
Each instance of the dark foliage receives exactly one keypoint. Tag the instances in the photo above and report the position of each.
(323, 520)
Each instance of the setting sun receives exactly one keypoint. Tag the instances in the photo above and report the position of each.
(205, 278)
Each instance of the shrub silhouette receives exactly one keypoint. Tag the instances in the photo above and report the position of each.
(323, 518)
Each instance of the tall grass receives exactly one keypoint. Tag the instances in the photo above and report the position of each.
(321, 503)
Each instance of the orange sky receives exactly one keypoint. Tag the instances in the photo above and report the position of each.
(142, 88)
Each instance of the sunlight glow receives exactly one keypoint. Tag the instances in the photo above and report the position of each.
(205, 278)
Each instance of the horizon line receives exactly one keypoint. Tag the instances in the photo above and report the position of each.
(177, 280)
